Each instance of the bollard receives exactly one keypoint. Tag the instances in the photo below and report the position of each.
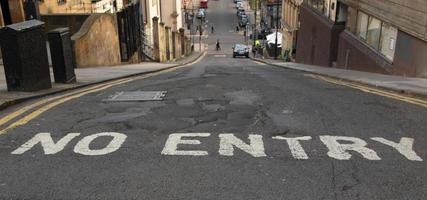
(62, 55)
(25, 56)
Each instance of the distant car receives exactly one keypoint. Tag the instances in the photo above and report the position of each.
(239, 4)
(240, 50)
(243, 22)
(239, 13)
(235, 1)
(243, 15)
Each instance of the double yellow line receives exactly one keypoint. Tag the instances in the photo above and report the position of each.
(407, 99)
(46, 104)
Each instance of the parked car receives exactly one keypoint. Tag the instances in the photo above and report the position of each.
(239, 13)
(243, 22)
(242, 15)
(240, 50)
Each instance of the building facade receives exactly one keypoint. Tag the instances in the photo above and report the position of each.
(80, 6)
(269, 13)
(386, 37)
(321, 23)
(290, 26)
(171, 13)
(375, 36)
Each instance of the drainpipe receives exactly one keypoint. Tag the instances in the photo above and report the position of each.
(277, 29)
(161, 14)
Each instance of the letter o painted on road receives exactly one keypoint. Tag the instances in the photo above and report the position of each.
(82, 147)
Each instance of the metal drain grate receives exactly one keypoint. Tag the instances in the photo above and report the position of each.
(136, 96)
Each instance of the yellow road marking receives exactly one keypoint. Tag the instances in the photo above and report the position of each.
(44, 108)
(259, 63)
(73, 95)
(366, 89)
(24, 109)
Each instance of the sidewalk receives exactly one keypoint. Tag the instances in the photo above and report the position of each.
(417, 86)
(89, 76)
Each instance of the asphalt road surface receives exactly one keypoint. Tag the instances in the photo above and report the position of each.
(226, 129)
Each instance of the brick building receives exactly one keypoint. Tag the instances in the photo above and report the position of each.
(376, 36)
(80, 6)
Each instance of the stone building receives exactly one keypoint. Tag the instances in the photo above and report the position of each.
(171, 13)
(376, 36)
(268, 13)
(80, 6)
(168, 12)
(290, 25)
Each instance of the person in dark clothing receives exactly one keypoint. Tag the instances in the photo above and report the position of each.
(218, 47)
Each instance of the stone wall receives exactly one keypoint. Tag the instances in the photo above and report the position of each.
(169, 45)
(73, 21)
(162, 43)
(97, 42)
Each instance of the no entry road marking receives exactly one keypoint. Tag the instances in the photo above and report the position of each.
(338, 147)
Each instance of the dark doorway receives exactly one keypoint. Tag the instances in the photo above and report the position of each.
(6, 12)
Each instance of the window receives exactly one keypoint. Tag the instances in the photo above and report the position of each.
(362, 25)
(374, 32)
(61, 2)
(388, 41)
(377, 34)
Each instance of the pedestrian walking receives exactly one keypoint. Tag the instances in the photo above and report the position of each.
(212, 29)
(237, 28)
(218, 46)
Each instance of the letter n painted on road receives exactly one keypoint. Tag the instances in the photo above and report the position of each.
(171, 146)
(47, 143)
(82, 147)
(229, 141)
(339, 150)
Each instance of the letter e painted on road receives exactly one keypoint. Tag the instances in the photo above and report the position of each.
(171, 146)
(82, 147)
(229, 141)
(340, 151)
(47, 143)
(295, 146)
(404, 147)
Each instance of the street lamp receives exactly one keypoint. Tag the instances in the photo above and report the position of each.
(277, 30)
(254, 34)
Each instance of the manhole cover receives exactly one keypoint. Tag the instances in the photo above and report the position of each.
(137, 96)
